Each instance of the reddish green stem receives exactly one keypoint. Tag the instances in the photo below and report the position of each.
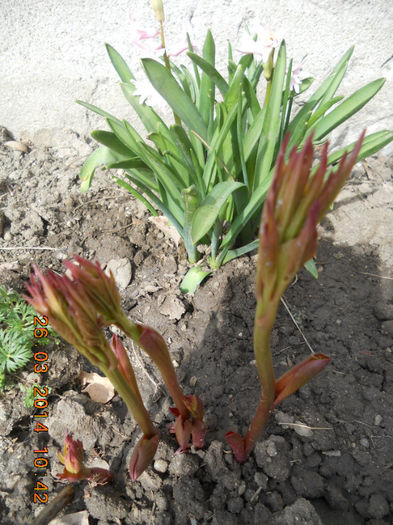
(161, 357)
(132, 401)
(264, 321)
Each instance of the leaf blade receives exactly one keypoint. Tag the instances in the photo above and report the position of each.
(206, 214)
(170, 90)
(347, 108)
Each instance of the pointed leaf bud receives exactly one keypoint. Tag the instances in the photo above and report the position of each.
(298, 376)
(198, 427)
(198, 433)
(143, 455)
(195, 406)
(183, 429)
(238, 445)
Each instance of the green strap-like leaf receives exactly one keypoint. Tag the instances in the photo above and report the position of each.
(232, 96)
(324, 93)
(211, 71)
(238, 252)
(254, 133)
(347, 108)
(100, 156)
(180, 103)
(217, 141)
(143, 178)
(271, 124)
(206, 98)
(257, 198)
(311, 267)
(319, 113)
(97, 110)
(193, 279)
(252, 99)
(110, 140)
(119, 64)
(371, 144)
(132, 163)
(285, 107)
(206, 214)
(129, 137)
(136, 194)
(160, 205)
(336, 77)
(168, 185)
(191, 202)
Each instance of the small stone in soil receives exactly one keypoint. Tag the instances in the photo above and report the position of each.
(261, 480)
(184, 465)
(122, 272)
(365, 442)
(377, 420)
(235, 505)
(274, 500)
(150, 480)
(160, 465)
(302, 511)
(307, 483)
(378, 507)
(172, 307)
(272, 456)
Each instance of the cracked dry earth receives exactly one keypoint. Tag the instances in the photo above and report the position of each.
(326, 456)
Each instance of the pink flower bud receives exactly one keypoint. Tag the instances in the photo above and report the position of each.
(100, 288)
(71, 313)
(142, 455)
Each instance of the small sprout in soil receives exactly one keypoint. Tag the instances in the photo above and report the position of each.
(74, 468)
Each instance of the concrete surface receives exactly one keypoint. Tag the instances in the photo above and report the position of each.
(53, 52)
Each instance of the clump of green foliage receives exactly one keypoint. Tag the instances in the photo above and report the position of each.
(16, 333)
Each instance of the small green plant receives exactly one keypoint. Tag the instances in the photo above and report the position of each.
(209, 171)
(16, 333)
(75, 469)
(29, 394)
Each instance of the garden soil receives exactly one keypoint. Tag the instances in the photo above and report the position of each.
(326, 456)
